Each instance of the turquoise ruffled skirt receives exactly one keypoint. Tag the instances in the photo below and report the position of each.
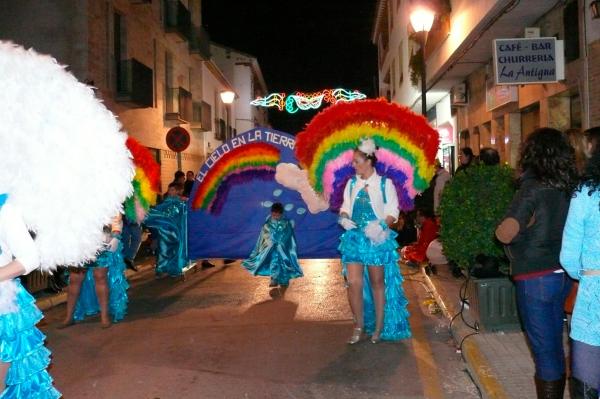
(22, 345)
(87, 303)
(356, 247)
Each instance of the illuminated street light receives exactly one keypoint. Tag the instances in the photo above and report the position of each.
(421, 20)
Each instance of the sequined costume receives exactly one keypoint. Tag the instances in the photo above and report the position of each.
(21, 343)
(275, 252)
(356, 247)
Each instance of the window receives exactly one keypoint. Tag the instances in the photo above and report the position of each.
(571, 24)
(119, 48)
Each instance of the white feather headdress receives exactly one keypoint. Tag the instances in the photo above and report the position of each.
(63, 159)
(367, 146)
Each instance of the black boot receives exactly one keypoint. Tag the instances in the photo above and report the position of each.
(550, 389)
(581, 390)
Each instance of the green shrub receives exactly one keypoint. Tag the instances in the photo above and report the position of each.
(473, 203)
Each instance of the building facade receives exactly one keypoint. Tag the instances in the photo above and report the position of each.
(149, 62)
(243, 71)
(463, 101)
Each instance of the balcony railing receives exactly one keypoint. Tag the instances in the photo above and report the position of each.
(200, 42)
(179, 105)
(135, 83)
(177, 19)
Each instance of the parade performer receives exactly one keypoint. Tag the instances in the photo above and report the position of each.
(64, 172)
(275, 252)
(169, 219)
(370, 158)
(102, 285)
(146, 186)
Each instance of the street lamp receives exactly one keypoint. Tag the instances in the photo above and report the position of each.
(421, 20)
(227, 96)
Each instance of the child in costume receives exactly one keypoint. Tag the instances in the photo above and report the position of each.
(102, 285)
(169, 219)
(275, 253)
(44, 150)
(369, 255)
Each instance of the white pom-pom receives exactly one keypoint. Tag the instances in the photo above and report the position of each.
(367, 146)
(376, 233)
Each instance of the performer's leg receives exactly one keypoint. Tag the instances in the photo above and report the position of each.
(378, 289)
(102, 294)
(354, 278)
(76, 277)
(3, 370)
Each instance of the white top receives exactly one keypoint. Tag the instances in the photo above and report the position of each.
(442, 178)
(15, 240)
(390, 208)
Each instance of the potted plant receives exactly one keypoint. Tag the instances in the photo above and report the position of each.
(472, 205)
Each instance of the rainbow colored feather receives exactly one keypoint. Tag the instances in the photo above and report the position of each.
(248, 162)
(146, 182)
(406, 154)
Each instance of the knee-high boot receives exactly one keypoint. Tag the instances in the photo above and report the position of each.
(581, 390)
(550, 389)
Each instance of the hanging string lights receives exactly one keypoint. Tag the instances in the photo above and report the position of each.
(305, 101)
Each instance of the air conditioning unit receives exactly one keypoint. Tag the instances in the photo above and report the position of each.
(459, 95)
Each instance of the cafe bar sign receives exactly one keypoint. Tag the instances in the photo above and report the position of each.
(530, 60)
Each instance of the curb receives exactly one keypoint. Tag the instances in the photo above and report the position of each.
(477, 364)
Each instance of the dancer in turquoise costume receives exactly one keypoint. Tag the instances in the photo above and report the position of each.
(23, 356)
(275, 253)
(369, 252)
(169, 218)
(101, 287)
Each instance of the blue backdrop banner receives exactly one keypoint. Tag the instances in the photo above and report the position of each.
(234, 191)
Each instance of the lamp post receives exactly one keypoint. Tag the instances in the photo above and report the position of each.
(227, 96)
(421, 20)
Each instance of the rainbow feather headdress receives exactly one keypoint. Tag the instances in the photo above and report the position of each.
(242, 164)
(145, 183)
(407, 146)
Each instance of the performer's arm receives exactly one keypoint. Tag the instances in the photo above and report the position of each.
(391, 207)
(15, 235)
(347, 204)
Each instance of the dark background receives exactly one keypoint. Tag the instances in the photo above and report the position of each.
(305, 45)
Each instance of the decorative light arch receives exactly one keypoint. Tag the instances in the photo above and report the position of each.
(292, 103)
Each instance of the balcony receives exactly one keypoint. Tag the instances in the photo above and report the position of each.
(179, 105)
(201, 119)
(200, 42)
(135, 84)
(177, 19)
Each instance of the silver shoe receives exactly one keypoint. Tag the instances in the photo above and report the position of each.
(357, 336)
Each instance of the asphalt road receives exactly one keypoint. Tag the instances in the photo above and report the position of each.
(222, 333)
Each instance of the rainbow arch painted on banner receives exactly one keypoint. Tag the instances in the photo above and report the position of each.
(250, 161)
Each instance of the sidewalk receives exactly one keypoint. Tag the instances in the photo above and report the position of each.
(500, 363)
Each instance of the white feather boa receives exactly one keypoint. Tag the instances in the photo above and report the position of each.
(376, 233)
(8, 296)
(63, 159)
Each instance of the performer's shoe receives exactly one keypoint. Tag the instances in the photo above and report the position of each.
(130, 265)
(206, 264)
(228, 261)
(376, 337)
(357, 336)
(106, 324)
(65, 324)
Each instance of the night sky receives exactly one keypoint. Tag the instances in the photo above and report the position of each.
(304, 45)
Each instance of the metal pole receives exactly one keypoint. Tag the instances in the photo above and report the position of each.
(423, 76)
